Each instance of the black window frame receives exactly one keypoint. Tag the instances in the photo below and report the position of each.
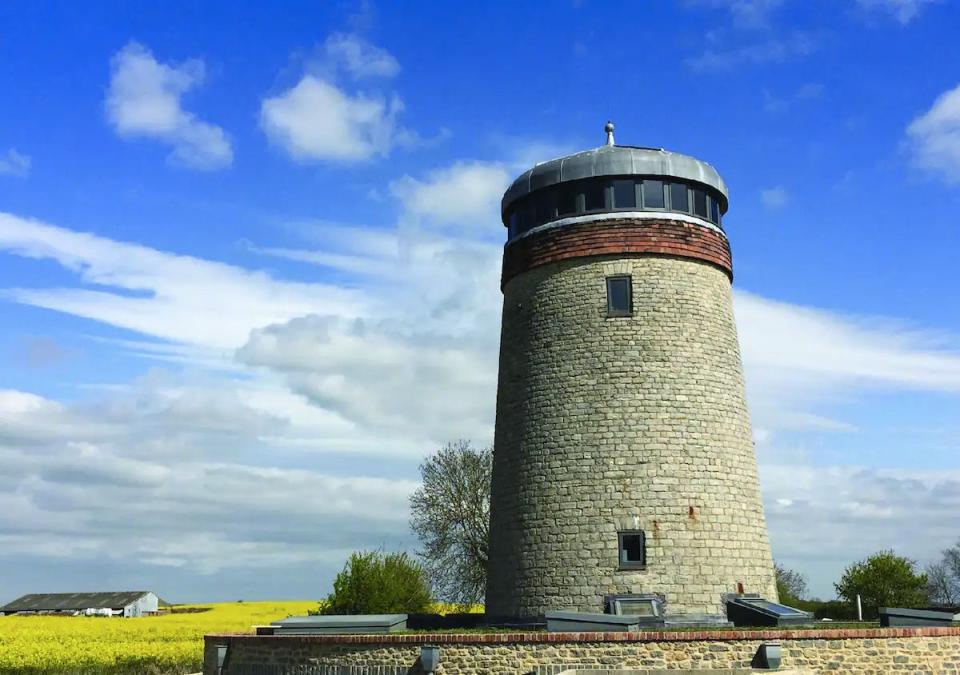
(631, 564)
(611, 311)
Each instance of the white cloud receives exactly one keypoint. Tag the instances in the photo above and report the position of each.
(321, 119)
(184, 489)
(774, 198)
(386, 377)
(398, 359)
(144, 100)
(175, 297)
(903, 11)
(800, 360)
(461, 194)
(808, 344)
(417, 296)
(822, 518)
(419, 368)
(934, 137)
(316, 120)
(14, 163)
(358, 57)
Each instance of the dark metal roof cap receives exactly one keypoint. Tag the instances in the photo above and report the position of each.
(614, 160)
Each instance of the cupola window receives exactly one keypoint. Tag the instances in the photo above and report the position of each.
(678, 197)
(653, 194)
(624, 194)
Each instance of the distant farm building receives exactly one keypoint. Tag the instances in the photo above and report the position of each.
(125, 603)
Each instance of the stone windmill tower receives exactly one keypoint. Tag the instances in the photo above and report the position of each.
(623, 456)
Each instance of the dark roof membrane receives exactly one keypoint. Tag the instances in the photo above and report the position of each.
(45, 602)
(614, 160)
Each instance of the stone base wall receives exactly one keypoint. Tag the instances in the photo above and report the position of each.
(861, 652)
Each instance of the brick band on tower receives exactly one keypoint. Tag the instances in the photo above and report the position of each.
(617, 236)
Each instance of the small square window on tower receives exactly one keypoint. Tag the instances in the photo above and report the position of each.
(620, 296)
(633, 549)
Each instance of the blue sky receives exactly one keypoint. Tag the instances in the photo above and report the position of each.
(250, 264)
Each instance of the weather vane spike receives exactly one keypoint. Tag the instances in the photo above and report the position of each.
(609, 129)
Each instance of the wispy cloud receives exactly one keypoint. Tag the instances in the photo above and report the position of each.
(174, 297)
(750, 36)
(801, 360)
(15, 163)
(784, 102)
(747, 14)
(358, 57)
(774, 198)
(144, 100)
(933, 138)
(772, 49)
(903, 11)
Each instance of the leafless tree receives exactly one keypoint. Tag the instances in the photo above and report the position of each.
(450, 514)
(791, 585)
(943, 578)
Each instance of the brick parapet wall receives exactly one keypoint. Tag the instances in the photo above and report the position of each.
(617, 236)
(543, 637)
(857, 651)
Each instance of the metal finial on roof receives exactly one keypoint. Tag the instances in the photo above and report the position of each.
(609, 129)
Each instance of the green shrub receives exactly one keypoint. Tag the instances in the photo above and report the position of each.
(377, 583)
(883, 580)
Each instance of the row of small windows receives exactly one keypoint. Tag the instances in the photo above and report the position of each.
(610, 194)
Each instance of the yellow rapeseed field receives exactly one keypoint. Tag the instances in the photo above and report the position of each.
(170, 644)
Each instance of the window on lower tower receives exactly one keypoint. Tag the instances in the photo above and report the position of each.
(619, 296)
(633, 549)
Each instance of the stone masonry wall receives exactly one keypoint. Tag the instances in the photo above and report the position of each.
(934, 651)
(622, 423)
